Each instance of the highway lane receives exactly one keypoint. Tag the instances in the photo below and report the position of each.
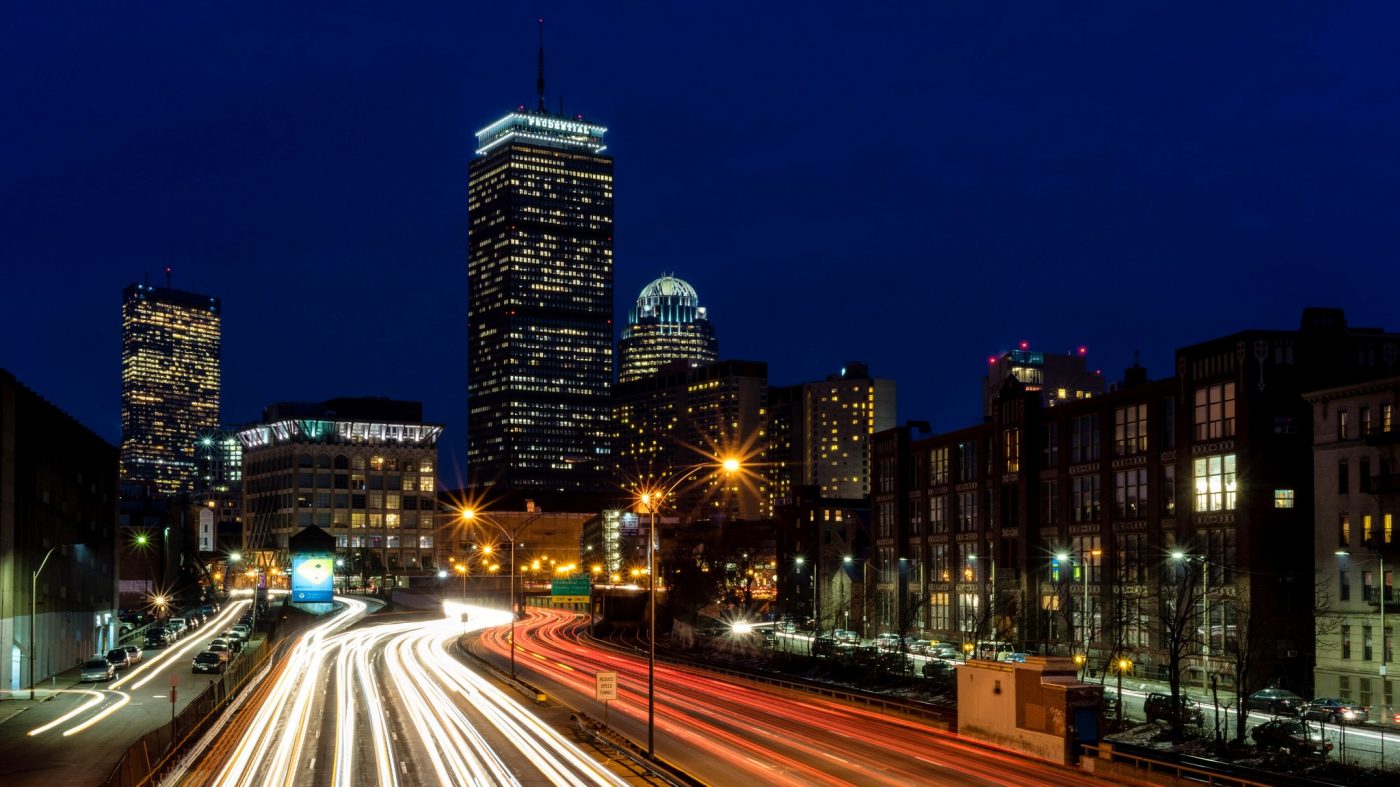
(78, 736)
(391, 704)
(726, 731)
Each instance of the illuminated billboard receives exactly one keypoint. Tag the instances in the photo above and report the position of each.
(313, 575)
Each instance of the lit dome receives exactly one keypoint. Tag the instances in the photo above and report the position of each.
(668, 287)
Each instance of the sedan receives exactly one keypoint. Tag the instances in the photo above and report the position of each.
(208, 661)
(1335, 710)
(119, 658)
(1276, 701)
(134, 654)
(94, 670)
(1295, 737)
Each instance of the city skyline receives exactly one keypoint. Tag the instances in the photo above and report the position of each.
(1018, 182)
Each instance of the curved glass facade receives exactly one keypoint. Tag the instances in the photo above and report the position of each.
(668, 324)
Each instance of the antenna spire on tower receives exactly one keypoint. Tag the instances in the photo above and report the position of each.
(539, 80)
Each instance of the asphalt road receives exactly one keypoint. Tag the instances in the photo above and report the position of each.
(726, 731)
(76, 737)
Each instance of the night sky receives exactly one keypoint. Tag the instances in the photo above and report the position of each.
(913, 186)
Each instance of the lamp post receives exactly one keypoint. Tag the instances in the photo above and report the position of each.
(1205, 611)
(33, 612)
(511, 535)
(1083, 555)
(650, 499)
(991, 589)
(1380, 563)
(1123, 666)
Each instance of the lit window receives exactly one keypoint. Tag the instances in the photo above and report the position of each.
(1214, 478)
(1283, 498)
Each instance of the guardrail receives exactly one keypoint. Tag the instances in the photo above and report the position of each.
(1100, 759)
(926, 710)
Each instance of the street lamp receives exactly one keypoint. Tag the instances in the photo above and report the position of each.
(1181, 556)
(1380, 563)
(1122, 665)
(511, 535)
(651, 498)
(34, 611)
(1065, 557)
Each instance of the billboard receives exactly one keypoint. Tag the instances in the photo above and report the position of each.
(313, 575)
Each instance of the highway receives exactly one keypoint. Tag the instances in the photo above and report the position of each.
(79, 735)
(359, 703)
(728, 732)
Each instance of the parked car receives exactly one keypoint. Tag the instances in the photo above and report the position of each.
(94, 670)
(159, 637)
(178, 626)
(940, 671)
(1335, 710)
(235, 644)
(241, 631)
(1276, 701)
(887, 641)
(1159, 706)
(134, 654)
(1112, 703)
(945, 652)
(208, 661)
(823, 646)
(1015, 658)
(845, 635)
(195, 619)
(208, 610)
(1296, 737)
(119, 658)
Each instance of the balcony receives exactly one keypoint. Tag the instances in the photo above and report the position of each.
(1371, 595)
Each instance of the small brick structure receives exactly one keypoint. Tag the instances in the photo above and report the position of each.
(1038, 707)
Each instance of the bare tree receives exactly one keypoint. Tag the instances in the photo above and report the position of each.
(1180, 593)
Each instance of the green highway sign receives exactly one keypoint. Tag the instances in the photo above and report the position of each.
(571, 586)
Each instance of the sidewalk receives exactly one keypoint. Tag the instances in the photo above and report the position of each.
(14, 703)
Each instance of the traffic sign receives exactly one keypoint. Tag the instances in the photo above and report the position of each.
(570, 586)
(606, 686)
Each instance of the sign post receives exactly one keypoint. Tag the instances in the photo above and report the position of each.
(174, 682)
(605, 690)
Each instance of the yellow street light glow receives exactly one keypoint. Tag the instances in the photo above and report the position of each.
(468, 514)
(731, 465)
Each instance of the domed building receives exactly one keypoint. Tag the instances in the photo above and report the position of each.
(667, 324)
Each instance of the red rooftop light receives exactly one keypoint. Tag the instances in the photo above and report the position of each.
(1083, 350)
(1025, 345)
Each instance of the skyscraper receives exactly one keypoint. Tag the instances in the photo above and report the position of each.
(667, 324)
(540, 334)
(170, 383)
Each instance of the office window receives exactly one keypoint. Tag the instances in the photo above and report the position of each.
(1130, 430)
(938, 514)
(1011, 449)
(1366, 534)
(1130, 493)
(1346, 654)
(1084, 439)
(967, 461)
(939, 562)
(1169, 490)
(1344, 530)
(1344, 681)
(1365, 420)
(1050, 448)
(1387, 413)
(1215, 411)
(916, 515)
(1343, 428)
(1132, 567)
(1344, 585)
(938, 611)
(1387, 527)
(967, 512)
(357, 519)
(426, 484)
(1343, 477)
(938, 466)
(1364, 698)
(1365, 644)
(1283, 498)
(1084, 501)
(1049, 503)
(1214, 479)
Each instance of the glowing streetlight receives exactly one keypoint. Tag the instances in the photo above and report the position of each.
(512, 535)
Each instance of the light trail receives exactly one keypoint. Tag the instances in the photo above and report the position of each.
(97, 699)
(765, 734)
(400, 674)
(173, 651)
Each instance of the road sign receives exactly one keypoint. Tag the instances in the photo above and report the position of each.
(570, 586)
(174, 679)
(606, 686)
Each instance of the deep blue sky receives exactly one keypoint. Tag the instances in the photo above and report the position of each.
(916, 186)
